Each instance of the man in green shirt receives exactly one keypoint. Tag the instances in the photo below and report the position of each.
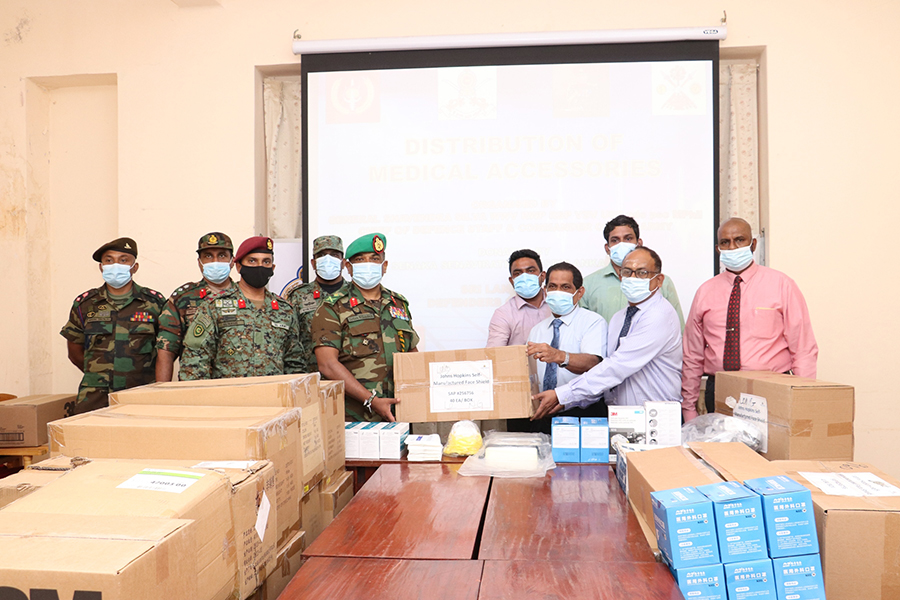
(602, 289)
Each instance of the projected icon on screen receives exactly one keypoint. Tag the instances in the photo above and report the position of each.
(467, 93)
(680, 88)
(353, 99)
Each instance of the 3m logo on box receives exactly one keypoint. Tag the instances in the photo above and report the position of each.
(9, 593)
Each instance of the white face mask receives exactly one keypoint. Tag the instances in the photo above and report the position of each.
(367, 275)
(117, 275)
(637, 290)
(560, 303)
(328, 267)
(618, 252)
(737, 259)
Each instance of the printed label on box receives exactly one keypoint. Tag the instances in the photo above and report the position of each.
(754, 409)
(851, 484)
(161, 481)
(461, 386)
(262, 517)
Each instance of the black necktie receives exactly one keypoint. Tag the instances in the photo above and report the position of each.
(629, 314)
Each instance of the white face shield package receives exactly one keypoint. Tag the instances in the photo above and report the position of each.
(716, 427)
(510, 454)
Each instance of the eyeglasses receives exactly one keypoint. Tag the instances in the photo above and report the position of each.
(640, 273)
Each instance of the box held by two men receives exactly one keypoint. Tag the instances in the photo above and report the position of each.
(23, 421)
(456, 385)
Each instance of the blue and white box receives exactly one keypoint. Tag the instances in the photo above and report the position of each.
(370, 441)
(739, 521)
(750, 580)
(685, 527)
(790, 518)
(351, 439)
(393, 440)
(702, 583)
(594, 440)
(565, 433)
(799, 578)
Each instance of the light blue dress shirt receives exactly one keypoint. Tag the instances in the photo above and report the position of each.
(646, 365)
(581, 332)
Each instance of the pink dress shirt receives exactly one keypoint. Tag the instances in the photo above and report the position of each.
(512, 322)
(776, 333)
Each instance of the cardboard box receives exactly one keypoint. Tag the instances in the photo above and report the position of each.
(565, 439)
(223, 505)
(702, 583)
(594, 440)
(734, 461)
(789, 515)
(685, 527)
(800, 418)
(331, 400)
(23, 483)
(287, 563)
(799, 578)
(628, 422)
(663, 423)
(195, 433)
(623, 450)
(337, 495)
(392, 440)
(312, 510)
(284, 391)
(453, 385)
(859, 536)
(113, 558)
(23, 421)
(750, 580)
(739, 521)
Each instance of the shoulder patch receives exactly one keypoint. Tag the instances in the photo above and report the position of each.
(86, 295)
(183, 289)
(154, 294)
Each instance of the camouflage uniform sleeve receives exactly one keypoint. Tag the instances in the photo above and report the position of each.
(170, 328)
(199, 345)
(415, 336)
(294, 354)
(326, 327)
(73, 330)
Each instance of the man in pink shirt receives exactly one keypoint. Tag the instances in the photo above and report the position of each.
(512, 322)
(748, 318)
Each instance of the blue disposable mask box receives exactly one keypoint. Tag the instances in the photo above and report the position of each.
(799, 578)
(685, 527)
(739, 521)
(702, 583)
(594, 440)
(565, 433)
(789, 515)
(750, 580)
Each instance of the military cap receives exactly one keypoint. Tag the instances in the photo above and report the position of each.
(123, 244)
(371, 242)
(258, 243)
(328, 242)
(216, 239)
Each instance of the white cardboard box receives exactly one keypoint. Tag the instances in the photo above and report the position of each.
(393, 439)
(370, 441)
(663, 423)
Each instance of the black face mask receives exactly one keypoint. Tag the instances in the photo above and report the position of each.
(256, 277)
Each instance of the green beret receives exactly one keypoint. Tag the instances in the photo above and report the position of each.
(216, 239)
(328, 242)
(126, 245)
(371, 242)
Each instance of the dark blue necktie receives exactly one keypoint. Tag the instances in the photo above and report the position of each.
(550, 370)
(629, 314)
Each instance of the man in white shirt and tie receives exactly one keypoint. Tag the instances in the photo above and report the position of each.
(644, 345)
(571, 341)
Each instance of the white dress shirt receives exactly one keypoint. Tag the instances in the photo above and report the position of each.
(645, 366)
(582, 332)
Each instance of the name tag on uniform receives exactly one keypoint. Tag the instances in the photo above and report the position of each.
(280, 325)
(308, 304)
(360, 317)
(398, 313)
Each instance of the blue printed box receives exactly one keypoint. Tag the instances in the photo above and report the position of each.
(799, 578)
(739, 521)
(565, 433)
(750, 580)
(702, 583)
(789, 515)
(685, 527)
(594, 440)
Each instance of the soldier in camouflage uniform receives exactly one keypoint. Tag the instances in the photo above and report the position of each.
(112, 329)
(214, 257)
(327, 262)
(245, 330)
(357, 331)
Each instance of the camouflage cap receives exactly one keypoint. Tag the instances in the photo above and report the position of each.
(371, 242)
(216, 239)
(258, 243)
(328, 242)
(123, 244)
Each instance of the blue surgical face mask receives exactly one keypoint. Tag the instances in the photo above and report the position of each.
(366, 275)
(329, 267)
(635, 289)
(618, 252)
(527, 285)
(216, 272)
(117, 275)
(737, 259)
(560, 303)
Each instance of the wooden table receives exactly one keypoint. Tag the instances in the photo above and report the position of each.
(364, 469)
(575, 513)
(412, 511)
(322, 578)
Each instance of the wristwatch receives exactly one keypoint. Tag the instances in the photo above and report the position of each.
(565, 363)
(368, 402)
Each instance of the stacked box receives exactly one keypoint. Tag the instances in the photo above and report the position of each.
(799, 578)
(331, 399)
(23, 421)
(750, 580)
(702, 583)
(739, 521)
(789, 516)
(685, 527)
(565, 434)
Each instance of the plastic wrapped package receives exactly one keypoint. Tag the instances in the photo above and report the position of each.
(464, 439)
(509, 454)
(715, 427)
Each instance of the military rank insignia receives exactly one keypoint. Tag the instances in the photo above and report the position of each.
(377, 244)
(241, 303)
(316, 294)
(213, 239)
(398, 313)
(269, 243)
(142, 317)
(353, 302)
(203, 293)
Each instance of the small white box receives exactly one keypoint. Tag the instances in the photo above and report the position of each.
(393, 439)
(628, 422)
(663, 423)
(370, 441)
(351, 440)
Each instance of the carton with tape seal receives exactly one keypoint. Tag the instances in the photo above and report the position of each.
(331, 399)
(685, 527)
(23, 421)
(702, 583)
(799, 578)
(739, 521)
(750, 580)
(456, 385)
(800, 418)
(287, 563)
(789, 515)
(594, 440)
(19, 485)
(565, 434)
